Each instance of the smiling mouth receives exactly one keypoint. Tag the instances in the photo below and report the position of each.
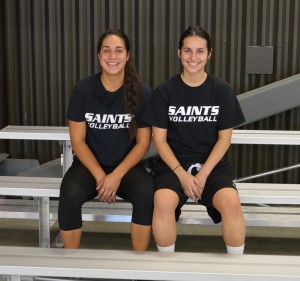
(112, 63)
(194, 63)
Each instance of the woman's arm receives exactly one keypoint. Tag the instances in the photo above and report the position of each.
(189, 183)
(143, 139)
(82, 151)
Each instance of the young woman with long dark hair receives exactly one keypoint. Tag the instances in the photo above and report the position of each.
(109, 139)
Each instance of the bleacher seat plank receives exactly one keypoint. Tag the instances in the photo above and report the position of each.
(30, 186)
(269, 193)
(113, 264)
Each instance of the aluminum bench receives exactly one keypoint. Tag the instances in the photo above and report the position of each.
(17, 262)
(263, 205)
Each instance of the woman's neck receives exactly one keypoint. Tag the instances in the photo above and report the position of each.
(112, 83)
(195, 79)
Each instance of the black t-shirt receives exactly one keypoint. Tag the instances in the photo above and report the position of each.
(107, 125)
(193, 115)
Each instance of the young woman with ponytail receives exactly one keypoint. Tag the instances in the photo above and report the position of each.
(109, 140)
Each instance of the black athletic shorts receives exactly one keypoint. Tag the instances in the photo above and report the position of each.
(220, 177)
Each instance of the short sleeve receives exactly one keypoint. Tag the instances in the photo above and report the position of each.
(231, 112)
(156, 113)
(75, 111)
(146, 96)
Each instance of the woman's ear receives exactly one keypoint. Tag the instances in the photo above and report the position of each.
(210, 53)
(179, 53)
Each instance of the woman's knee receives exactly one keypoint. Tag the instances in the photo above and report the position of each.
(71, 193)
(77, 185)
(142, 198)
(139, 190)
(227, 201)
(163, 206)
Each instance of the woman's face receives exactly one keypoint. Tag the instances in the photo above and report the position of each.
(113, 55)
(194, 54)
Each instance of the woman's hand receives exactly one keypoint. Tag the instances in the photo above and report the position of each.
(107, 188)
(191, 185)
(201, 177)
